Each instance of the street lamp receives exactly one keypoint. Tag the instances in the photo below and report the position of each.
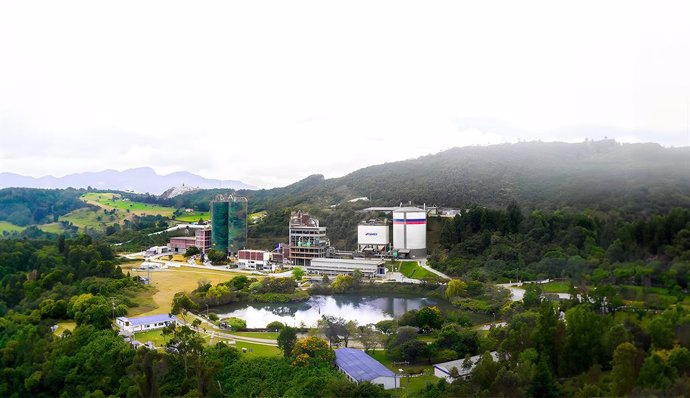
(407, 385)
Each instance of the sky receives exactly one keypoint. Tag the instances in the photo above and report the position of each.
(271, 92)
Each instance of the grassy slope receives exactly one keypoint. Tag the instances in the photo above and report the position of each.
(9, 227)
(166, 283)
(111, 201)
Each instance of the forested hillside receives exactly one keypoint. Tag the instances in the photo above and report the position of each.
(634, 180)
(28, 206)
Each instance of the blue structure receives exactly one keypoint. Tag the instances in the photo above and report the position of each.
(360, 367)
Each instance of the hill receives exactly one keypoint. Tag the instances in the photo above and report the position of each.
(143, 179)
(603, 174)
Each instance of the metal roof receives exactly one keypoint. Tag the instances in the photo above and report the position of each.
(144, 320)
(359, 365)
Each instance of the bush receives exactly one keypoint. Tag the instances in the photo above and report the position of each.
(213, 316)
(275, 326)
(236, 323)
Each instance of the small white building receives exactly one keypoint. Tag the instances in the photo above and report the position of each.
(143, 323)
(253, 259)
(359, 367)
(443, 370)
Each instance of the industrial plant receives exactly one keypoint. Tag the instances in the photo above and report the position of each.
(400, 235)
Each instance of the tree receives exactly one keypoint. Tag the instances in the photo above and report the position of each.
(92, 310)
(312, 351)
(342, 284)
(333, 327)
(286, 340)
(236, 323)
(186, 343)
(532, 296)
(357, 277)
(456, 287)
(429, 318)
(625, 369)
(192, 251)
(216, 256)
(655, 373)
(297, 273)
(368, 337)
(583, 345)
(543, 384)
(275, 326)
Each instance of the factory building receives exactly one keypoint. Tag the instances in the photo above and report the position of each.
(253, 259)
(229, 223)
(307, 240)
(373, 237)
(409, 232)
(337, 266)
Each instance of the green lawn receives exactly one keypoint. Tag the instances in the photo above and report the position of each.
(9, 227)
(152, 335)
(194, 216)
(416, 384)
(110, 201)
(258, 335)
(412, 269)
(53, 228)
(258, 350)
(556, 287)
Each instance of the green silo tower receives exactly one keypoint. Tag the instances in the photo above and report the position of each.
(220, 211)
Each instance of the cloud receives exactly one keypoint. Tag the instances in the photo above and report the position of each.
(269, 94)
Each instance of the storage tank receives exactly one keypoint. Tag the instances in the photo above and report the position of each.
(219, 225)
(373, 236)
(409, 230)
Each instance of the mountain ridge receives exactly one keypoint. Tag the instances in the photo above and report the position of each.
(139, 179)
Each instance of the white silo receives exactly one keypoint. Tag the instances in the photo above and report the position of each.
(409, 230)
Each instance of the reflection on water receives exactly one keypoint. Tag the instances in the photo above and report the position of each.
(364, 310)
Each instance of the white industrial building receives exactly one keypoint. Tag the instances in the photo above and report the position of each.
(143, 323)
(253, 259)
(373, 236)
(336, 266)
(409, 231)
(443, 370)
(359, 367)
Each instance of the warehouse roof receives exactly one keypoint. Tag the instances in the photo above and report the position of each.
(359, 365)
(145, 320)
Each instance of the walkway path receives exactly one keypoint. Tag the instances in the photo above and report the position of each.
(423, 264)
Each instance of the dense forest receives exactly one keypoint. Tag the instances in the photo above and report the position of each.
(28, 206)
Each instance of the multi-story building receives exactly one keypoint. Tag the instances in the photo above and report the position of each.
(253, 259)
(307, 240)
(202, 239)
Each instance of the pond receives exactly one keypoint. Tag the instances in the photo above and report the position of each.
(363, 309)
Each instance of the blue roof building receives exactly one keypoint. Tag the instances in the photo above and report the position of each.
(143, 323)
(359, 367)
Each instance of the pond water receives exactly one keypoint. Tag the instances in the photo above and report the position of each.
(364, 310)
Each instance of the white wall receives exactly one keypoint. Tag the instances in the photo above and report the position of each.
(372, 235)
(387, 382)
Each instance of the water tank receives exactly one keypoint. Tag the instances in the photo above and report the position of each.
(409, 230)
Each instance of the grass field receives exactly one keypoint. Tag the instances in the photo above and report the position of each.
(556, 287)
(412, 269)
(166, 283)
(258, 335)
(257, 350)
(194, 216)
(9, 227)
(64, 325)
(111, 201)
